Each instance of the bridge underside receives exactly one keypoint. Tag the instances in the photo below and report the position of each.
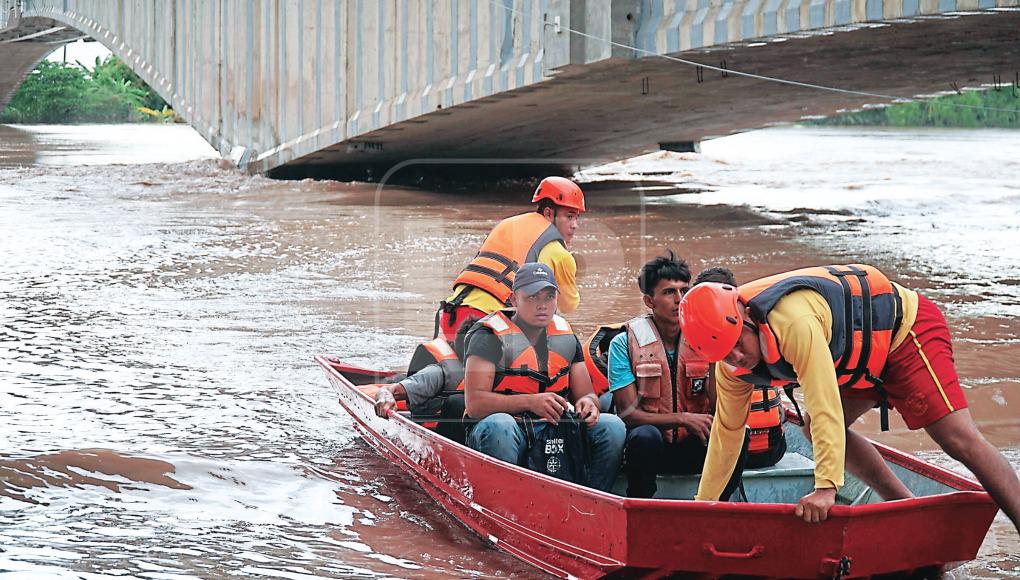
(621, 107)
(24, 46)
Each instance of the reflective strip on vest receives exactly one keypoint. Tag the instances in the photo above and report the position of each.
(442, 348)
(644, 334)
(497, 323)
(434, 351)
(560, 323)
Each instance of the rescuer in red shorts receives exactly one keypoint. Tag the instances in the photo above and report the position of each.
(851, 339)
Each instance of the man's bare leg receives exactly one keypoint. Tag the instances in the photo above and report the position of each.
(862, 459)
(958, 436)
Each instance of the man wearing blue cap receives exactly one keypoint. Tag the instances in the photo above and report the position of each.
(532, 353)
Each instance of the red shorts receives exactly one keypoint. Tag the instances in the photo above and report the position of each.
(450, 322)
(920, 376)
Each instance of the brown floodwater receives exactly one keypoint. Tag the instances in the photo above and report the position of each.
(160, 412)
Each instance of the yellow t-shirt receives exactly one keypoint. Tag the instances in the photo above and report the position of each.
(802, 323)
(564, 269)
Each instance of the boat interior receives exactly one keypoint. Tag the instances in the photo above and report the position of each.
(790, 479)
(785, 482)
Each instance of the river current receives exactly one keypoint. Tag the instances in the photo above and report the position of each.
(160, 412)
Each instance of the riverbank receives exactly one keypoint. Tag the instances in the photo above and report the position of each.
(995, 108)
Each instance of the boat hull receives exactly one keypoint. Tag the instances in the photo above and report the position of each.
(572, 531)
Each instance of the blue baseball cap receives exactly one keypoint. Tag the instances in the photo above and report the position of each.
(533, 277)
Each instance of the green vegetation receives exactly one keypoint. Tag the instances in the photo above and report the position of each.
(57, 92)
(942, 112)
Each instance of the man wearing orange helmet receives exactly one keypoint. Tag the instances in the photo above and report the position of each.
(542, 236)
(852, 339)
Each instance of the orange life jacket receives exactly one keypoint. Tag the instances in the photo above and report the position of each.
(520, 371)
(443, 413)
(514, 241)
(659, 389)
(438, 351)
(765, 420)
(866, 313)
(596, 355)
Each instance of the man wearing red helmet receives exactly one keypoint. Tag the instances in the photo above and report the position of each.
(852, 339)
(542, 236)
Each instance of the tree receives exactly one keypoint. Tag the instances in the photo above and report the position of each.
(52, 93)
(58, 92)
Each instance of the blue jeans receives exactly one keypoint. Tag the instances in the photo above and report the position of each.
(500, 436)
(605, 402)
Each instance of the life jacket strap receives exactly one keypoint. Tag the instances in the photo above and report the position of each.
(861, 369)
(594, 345)
(767, 403)
(899, 313)
(501, 277)
(543, 381)
(883, 405)
(848, 318)
(451, 307)
(499, 258)
(866, 327)
(789, 395)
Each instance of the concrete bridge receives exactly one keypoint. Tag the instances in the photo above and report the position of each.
(349, 87)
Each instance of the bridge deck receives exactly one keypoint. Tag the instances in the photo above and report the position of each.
(353, 89)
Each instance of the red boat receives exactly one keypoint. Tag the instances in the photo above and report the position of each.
(572, 531)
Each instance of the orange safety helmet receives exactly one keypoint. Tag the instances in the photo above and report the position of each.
(560, 191)
(710, 320)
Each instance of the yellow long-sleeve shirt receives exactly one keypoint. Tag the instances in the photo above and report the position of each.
(802, 323)
(564, 269)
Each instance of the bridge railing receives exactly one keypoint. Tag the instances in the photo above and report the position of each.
(10, 13)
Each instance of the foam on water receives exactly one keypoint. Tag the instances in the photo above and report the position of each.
(868, 192)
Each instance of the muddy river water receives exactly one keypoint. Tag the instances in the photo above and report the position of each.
(160, 412)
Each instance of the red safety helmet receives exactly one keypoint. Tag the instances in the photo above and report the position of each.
(710, 320)
(560, 191)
